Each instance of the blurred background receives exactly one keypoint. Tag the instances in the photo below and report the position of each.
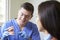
(9, 9)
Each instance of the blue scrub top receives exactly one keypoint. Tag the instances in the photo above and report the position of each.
(30, 31)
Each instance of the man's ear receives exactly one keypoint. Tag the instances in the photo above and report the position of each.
(30, 17)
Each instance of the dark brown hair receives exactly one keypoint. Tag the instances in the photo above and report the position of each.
(28, 6)
(49, 14)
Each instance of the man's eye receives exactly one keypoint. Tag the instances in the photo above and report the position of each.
(22, 14)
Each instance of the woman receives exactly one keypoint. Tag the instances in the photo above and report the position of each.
(49, 16)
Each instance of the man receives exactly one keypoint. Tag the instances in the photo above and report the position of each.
(21, 28)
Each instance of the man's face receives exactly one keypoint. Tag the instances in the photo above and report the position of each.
(24, 16)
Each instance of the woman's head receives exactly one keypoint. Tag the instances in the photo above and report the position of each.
(49, 15)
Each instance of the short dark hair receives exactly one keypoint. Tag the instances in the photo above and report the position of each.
(28, 6)
(49, 14)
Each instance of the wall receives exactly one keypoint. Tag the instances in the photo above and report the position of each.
(58, 0)
(14, 6)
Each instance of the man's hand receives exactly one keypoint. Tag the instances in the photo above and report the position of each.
(10, 30)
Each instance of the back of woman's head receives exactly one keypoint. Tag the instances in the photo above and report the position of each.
(49, 14)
